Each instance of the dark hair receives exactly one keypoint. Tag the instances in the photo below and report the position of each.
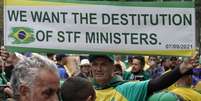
(173, 58)
(59, 57)
(141, 59)
(164, 59)
(153, 57)
(118, 67)
(76, 89)
(50, 54)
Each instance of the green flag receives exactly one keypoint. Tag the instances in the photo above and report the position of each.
(22, 35)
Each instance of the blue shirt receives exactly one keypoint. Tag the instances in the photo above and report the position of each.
(62, 72)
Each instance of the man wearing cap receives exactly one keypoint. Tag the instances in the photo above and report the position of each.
(85, 69)
(61, 61)
(110, 88)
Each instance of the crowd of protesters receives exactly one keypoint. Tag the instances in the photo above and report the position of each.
(97, 77)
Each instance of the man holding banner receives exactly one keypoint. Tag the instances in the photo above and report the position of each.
(110, 88)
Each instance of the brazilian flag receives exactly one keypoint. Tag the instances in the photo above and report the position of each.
(22, 35)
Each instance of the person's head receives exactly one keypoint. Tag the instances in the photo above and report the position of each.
(173, 60)
(130, 59)
(35, 79)
(118, 57)
(153, 58)
(152, 61)
(138, 63)
(195, 62)
(165, 62)
(61, 59)
(77, 89)
(118, 69)
(51, 56)
(102, 68)
(85, 67)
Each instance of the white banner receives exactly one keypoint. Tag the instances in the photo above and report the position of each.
(101, 28)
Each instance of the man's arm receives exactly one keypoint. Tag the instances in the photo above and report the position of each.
(168, 79)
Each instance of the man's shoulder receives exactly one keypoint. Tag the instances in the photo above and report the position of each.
(186, 90)
(126, 73)
(124, 92)
(132, 84)
(187, 93)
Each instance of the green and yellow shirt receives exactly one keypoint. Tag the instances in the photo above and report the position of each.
(117, 90)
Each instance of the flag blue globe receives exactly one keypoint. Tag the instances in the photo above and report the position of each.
(21, 35)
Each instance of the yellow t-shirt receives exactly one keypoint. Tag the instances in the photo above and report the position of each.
(187, 93)
(198, 86)
(109, 94)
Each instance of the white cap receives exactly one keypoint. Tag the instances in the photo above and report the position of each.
(84, 62)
